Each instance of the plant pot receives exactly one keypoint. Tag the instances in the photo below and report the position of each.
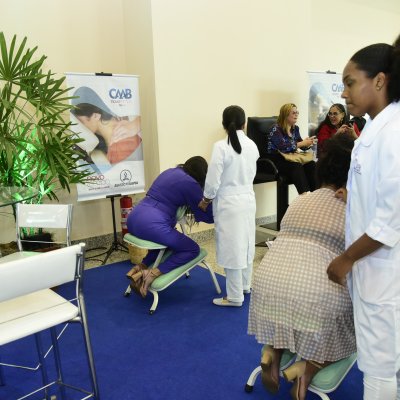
(8, 248)
(30, 242)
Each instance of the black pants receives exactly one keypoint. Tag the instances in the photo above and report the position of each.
(301, 175)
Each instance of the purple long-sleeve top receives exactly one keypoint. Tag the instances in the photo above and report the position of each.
(174, 188)
(154, 218)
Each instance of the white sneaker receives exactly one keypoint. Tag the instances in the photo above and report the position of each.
(269, 243)
(224, 302)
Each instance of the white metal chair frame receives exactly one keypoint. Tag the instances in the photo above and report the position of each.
(58, 216)
(50, 216)
(30, 306)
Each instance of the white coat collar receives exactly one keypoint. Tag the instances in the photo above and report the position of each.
(373, 126)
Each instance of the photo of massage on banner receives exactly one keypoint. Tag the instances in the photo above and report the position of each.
(106, 114)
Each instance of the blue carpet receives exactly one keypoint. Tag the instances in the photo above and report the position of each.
(189, 349)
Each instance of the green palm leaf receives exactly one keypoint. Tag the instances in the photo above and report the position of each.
(37, 147)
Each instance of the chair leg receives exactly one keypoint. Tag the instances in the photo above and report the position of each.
(88, 347)
(155, 301)
(282, 202)
(213, 277)
(159, 258)
(42, 363)
(57, 359)
(252, 378)
(322, 395)
(2, 380)
(128, 291)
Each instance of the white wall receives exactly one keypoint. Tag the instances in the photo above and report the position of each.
(194, 58)
(210, 54)
(81, 36)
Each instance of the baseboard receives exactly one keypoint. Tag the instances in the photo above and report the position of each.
(107, 240)
(201, 236)
(265, 220)
(266, 228)
(98, 241)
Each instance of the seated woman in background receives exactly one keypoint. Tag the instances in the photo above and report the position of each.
(285, 137)
(293, 303)
(154, 219)
(336, 121)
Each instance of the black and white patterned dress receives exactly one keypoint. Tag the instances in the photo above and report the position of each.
(293, 303)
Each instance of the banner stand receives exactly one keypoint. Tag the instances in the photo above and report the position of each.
(115, 245)
(325, 89)
(113, 143)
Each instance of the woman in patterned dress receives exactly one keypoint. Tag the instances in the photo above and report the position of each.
(293, 304)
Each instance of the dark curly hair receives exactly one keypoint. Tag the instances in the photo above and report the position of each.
(333, 166)
(327, 120)
(197, 168)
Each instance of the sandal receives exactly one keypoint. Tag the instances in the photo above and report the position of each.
(301, 372)
(135, 270)
(148, 276)
(270, 382)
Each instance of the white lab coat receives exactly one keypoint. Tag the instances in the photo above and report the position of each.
(373, 208)
(229, 183)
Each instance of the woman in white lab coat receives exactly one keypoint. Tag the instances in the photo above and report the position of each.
(229, 185)
(371, 260)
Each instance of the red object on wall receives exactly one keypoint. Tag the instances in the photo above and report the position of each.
(125, 203)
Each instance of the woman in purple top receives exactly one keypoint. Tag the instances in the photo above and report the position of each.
(154, 219)
(285, 137)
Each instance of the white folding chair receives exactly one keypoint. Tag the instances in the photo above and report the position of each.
(46, 216)
(29, 306)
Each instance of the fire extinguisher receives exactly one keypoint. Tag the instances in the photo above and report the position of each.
(125, 203)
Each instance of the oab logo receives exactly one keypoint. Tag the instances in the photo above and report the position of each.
(120, 94)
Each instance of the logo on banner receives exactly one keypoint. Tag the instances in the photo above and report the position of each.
(125, 176)
(337, 87)
(120, 94)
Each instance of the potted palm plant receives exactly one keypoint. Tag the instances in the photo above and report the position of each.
(37, 147)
